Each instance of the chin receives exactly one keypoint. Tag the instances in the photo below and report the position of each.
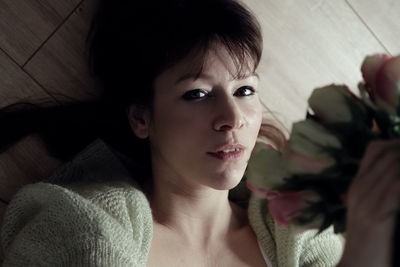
(227, 182)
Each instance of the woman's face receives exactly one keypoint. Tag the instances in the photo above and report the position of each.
(202, 131)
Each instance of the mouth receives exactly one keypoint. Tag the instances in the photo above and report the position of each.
(228, 152)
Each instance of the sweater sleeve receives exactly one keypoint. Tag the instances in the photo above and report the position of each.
(287, 247)
(322, 250)
(102, 225)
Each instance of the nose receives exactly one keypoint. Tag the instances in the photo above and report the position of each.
(229, 116)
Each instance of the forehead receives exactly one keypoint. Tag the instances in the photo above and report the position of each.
(215, 60)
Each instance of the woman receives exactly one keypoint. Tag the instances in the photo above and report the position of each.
(178, 118)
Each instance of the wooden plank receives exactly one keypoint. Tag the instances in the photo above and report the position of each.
(16, 85)
(18, 165)
(382, 17)
(60, 65)
(26, 24)
(26, 162)
(3, 207)
(308, 44)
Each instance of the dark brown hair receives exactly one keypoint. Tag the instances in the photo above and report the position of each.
(129, 44)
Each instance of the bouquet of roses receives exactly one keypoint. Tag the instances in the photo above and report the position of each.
(307, 181)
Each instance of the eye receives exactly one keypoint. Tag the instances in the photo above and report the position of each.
(195, 94)
(245, 91)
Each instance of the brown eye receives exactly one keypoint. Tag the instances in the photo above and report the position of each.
(245, 91)
(195, 94)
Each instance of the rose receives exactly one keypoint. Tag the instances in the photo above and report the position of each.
(265, 168)
(325, 101)
(310, 148)
(285, 207)
(298, 163)
(382, 76)
(288, 206)
(306, 184)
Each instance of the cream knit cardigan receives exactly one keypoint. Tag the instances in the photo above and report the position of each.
(92, 214)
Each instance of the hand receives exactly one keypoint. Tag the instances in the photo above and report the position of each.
(372, 199)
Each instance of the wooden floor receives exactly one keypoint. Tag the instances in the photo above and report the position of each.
(307, 44)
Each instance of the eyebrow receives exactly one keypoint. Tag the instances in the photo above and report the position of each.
(194, 76)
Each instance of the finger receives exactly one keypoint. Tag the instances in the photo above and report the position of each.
(379, 175)
(373, 152)
(371, 207)
(376, 221)
(389, 203)
(364, 184)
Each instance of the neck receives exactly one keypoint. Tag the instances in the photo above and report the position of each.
(200, 217)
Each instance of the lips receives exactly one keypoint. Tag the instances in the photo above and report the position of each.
(229, 152)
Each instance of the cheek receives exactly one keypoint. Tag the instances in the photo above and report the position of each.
(253, 117)
(176, 124)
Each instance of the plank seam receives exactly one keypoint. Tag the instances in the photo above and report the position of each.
(54, 32)
(367, 26)
(41, 46)
(34, 80)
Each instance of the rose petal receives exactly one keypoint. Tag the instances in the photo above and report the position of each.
(310, 138)
(388, 82)
(265, 167)
(371, 66)
(285, 207)
(336, 103)
(262, 192)
(299, 163)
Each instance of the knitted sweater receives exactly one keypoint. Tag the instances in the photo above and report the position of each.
(92, 214)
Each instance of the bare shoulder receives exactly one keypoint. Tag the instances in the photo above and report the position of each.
(244, 244)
